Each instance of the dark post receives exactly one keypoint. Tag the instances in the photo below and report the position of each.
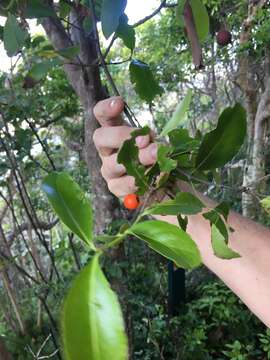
(177, 289)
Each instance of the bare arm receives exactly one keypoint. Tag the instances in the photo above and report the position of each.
(249, 276)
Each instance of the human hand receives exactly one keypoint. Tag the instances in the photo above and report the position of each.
(110, 137)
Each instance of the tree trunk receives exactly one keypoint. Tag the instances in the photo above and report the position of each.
(246, 78)
(256, 172)
(84, 77)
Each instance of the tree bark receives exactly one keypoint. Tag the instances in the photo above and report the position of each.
(84, 76)
(256, 114)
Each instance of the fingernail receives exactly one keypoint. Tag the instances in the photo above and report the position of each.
(153, 151)
(142, 141)
(112, 103)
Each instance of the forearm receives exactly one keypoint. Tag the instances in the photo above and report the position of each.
(249, 276)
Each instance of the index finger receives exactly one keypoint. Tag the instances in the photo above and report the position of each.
(108, 112)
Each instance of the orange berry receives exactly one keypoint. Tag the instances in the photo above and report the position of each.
(131, 201)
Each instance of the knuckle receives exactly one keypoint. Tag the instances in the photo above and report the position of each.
(98, 109)
(108, 167)
(96, 136)
(123, 132)
(111, 187)
(104, 172)
(130, 185)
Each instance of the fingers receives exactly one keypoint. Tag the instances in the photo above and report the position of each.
(108, 112)
(148, 155)
(122, 186)
(111, 169)
(109, 139)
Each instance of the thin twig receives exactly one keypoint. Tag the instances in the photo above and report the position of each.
(44, 147)
(104, 66)
(154, 13)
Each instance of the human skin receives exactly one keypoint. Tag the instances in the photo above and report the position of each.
(248, 276)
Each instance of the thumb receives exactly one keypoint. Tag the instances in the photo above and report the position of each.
(108, 112)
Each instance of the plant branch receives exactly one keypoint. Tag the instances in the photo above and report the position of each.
(154, 13)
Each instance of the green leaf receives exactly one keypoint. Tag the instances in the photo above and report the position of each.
(64, 9)
(169, 241)
(23, 140)
(145, 84)
(14, 36)
(70, 204)
(201, 18)
(105, 238)
(266, 204)
(219, 245)
(214, 218)
(126, 32)
(222, 144)
(36, 9)
(91, 320)
(182, 142)
(184, 203)
(183, 222)
(40, 70)
(165, 163)
(180, 12)
(129, 156)
(223, 209)
(179, 115)
(110, 15)
(70, 52)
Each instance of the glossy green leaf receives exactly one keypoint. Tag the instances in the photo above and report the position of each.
(182, 221)
(38, 9)
(169, 241)
(222, 144)
(182, 142)
(145, 84)
(223, 209)
(184, 203)
(91, 322)
(126, 32)
(179, 115)
(214, 217)
(70, 204)
(165, 163)
(110, 14)
(219, 245)
(14, 36)
(201, 18)
(128, 155)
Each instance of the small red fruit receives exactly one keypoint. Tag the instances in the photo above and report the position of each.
(224, 37)
(131, 201)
